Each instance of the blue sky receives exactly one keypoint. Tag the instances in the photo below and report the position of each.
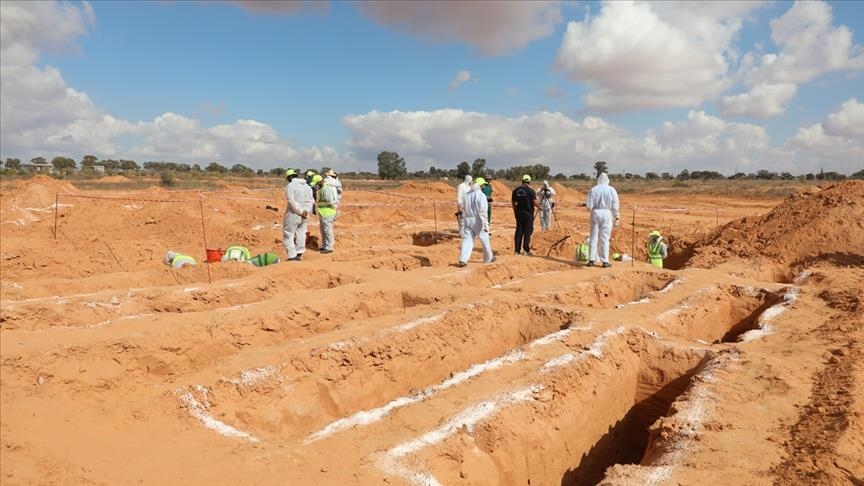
(646, 86)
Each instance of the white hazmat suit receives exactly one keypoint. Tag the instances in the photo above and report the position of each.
(475, 224)
(602, 202)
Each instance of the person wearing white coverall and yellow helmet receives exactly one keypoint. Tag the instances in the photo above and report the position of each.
(296, 220)
(602, 202)
(475, 224)
(328, 203)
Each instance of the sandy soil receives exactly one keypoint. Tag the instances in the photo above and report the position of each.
(384, 363)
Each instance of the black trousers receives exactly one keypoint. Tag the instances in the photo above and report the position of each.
(524, 230)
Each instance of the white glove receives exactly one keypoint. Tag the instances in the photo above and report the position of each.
(617, 222)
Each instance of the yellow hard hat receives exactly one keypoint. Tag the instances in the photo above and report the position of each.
(654, 233)
(526, 178)
(480, 181)
(290, 172)
(316, 179)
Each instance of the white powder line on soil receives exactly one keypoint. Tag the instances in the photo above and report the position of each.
(366, 417)
(199, 411)
(764, 324)
(391, 461)
(685, 304)
(595, 350)
(691, 416)
(251, 377)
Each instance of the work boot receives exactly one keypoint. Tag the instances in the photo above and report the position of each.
(325, 250)
(606, 264)
(528, 253)
(461, 264)
(591, 263)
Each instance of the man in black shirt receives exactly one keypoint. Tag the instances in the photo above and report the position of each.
(523, 201)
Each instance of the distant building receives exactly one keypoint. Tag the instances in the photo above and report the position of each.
(37, 168)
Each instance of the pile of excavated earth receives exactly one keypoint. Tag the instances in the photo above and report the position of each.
(385, 363)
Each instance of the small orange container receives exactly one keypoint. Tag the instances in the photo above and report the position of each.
(214, 256)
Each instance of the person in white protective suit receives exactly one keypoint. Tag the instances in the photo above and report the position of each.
(602, 204)
(475, 225)
(296, 220)
(461, 191)
(547, 205)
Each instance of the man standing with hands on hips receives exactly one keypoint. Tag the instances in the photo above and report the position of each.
(602, 203)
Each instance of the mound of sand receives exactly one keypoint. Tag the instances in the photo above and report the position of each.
(112, 179)
(413, 187)
(37, 192)
(808, 226)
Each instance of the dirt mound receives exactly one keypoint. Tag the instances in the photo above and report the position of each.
(567, 194)
(412, 187)
(815, 224)
(112, 179)
(37, 192)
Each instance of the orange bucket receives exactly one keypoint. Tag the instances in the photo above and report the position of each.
(214, 256)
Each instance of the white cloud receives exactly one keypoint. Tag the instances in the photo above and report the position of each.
(462, 77)
(495, 27)
(443, 137)
(837, 144)
(41, 115)
(848, 122)
(763, 101)
(644, 55)
(809, 46)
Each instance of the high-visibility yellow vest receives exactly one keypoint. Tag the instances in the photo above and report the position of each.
(325, 209)
(654, 254)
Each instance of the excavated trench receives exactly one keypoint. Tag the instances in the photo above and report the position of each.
(587, 417)
(611, 290)
(719, 314)
(95, 308)
(369, 371)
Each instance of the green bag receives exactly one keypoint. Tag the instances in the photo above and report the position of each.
(264, 259)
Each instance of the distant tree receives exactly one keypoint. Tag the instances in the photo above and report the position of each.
(183, 167)
(196, 168)
(855, 175)
(127, 165)
(437, 173)
(462, 170)
(651, 175)
(391, 166)
(810, 176)
(216, 167)
(684, 175)
(559, 177)
(63, 163)
(241, 169)
(478, 168)
(110, 164)
(832, 176)
(738, 176)
(786, 176)
(38, 160)
(13, 164)
(420, 174)
(167, 178)
(154, 166)
(666, 176)
(599, 168)
(278, 171)
(88, 161)
(765, 174)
